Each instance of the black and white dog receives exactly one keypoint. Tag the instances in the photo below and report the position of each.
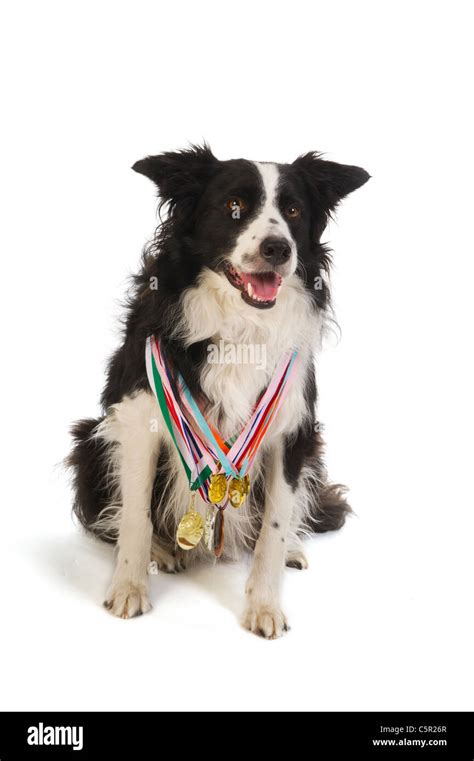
(237, 262)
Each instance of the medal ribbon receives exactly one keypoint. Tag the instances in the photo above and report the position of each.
(199, 445)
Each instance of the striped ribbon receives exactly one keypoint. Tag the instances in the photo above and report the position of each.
(199, 444)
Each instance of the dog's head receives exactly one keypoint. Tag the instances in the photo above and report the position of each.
(254, 223)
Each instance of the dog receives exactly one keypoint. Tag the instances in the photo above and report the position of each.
(237, 262)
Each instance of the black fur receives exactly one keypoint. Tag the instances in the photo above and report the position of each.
(89, 461)
(197, 232)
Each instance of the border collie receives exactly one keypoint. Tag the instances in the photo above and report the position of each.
(237, 262)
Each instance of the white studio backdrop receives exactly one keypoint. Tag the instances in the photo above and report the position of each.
(383, 618)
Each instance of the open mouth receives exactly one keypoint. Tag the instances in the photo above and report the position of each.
(259, 289)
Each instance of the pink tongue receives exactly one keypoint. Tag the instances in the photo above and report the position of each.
(264, 286)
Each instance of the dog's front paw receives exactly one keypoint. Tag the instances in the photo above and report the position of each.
(167, 561)
(126, 599)
(265, 620)
(297, 559)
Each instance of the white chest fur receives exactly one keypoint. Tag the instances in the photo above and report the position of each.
(215, 313)
(245, 345)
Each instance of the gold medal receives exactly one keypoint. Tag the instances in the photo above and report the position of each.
(238, 490)
(219, 534)
(218, 487)
(190, 529)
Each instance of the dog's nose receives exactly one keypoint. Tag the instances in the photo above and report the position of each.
(275, 250)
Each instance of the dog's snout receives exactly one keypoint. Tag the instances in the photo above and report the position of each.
(275, 250)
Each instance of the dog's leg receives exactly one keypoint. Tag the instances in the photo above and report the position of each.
(263, 614)
(295, 555)
(137, 458)
(166, 560)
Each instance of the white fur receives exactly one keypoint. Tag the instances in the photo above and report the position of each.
(215, 311)
(138, 454)
(263, 614)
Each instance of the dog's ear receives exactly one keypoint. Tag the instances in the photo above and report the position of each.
(179, 175)
(329, 181)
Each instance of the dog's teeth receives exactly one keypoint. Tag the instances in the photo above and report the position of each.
(250, 290)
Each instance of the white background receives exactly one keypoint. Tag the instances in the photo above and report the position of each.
(384, 617)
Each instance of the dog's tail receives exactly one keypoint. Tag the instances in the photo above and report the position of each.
(91, 462)
(329, 509)
(326, 507)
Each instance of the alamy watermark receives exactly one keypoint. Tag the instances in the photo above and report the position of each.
(225, 353)
(42, 734)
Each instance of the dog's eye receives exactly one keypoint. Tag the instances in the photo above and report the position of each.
(293, 211)
(236, 203)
